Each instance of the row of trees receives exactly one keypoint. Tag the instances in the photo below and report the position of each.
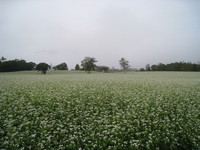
(88, 64)
(21, 65)
(62, 66)
(177, 66)
(15, 65)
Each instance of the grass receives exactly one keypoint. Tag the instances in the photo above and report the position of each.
(76, 110)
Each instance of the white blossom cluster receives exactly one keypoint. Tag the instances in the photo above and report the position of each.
(99, 111)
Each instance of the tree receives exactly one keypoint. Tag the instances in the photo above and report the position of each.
(15, 65)
(62, 66)
(43, 67)
(142, 69)
(2, 59)
(161, 67)
(88, 64)
(198, 66)
(30, 66)
(124, 63)
(148, 68)
(77, 67)
(154, 67)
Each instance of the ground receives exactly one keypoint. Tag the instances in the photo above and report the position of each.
(77, 110)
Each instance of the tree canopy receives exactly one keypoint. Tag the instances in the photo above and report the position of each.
(43, 67)
(77, 67)
(177, 66)
(2, 59)
(88, 64)
(124, 63)
(15, 65)
(148, 67)
(62, 66)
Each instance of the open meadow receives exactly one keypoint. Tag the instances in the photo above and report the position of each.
(75, 110)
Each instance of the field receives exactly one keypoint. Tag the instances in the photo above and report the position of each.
(76, 110)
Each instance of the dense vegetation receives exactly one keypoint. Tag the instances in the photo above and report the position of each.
(62, 66)
(16, 65)
(74, 110)
(42, 67)
(177, 66)
(88, 64)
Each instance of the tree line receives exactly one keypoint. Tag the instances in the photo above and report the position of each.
(177, 66)
(88, 64)
(15, 65)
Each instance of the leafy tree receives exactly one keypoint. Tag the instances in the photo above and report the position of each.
(62, 66)
(43, 67)
(88, 64)
(77, 67)
(30, 66)
(148, 68)
(142, 69)
(124, 63)
(161, 67)
(2, 59)
(154, 67)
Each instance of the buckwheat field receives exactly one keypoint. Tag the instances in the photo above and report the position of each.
(76, 110)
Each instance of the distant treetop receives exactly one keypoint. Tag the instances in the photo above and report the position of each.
(62, 66)
(88, 64)
(43, 67)
(124, 63)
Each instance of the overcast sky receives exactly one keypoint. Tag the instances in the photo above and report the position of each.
(141, 31)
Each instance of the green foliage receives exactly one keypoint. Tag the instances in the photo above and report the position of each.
(124, 63)
(77, 67)
(62, 66)
(148, 68)
(142, 69)
(43, 67)
(2, 59)
(88, 64)
(154, 68)
(177, 66)
(15, 65)
(161, 67)
(102, 111)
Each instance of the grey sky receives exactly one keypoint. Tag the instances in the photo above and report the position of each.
(142, 31)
